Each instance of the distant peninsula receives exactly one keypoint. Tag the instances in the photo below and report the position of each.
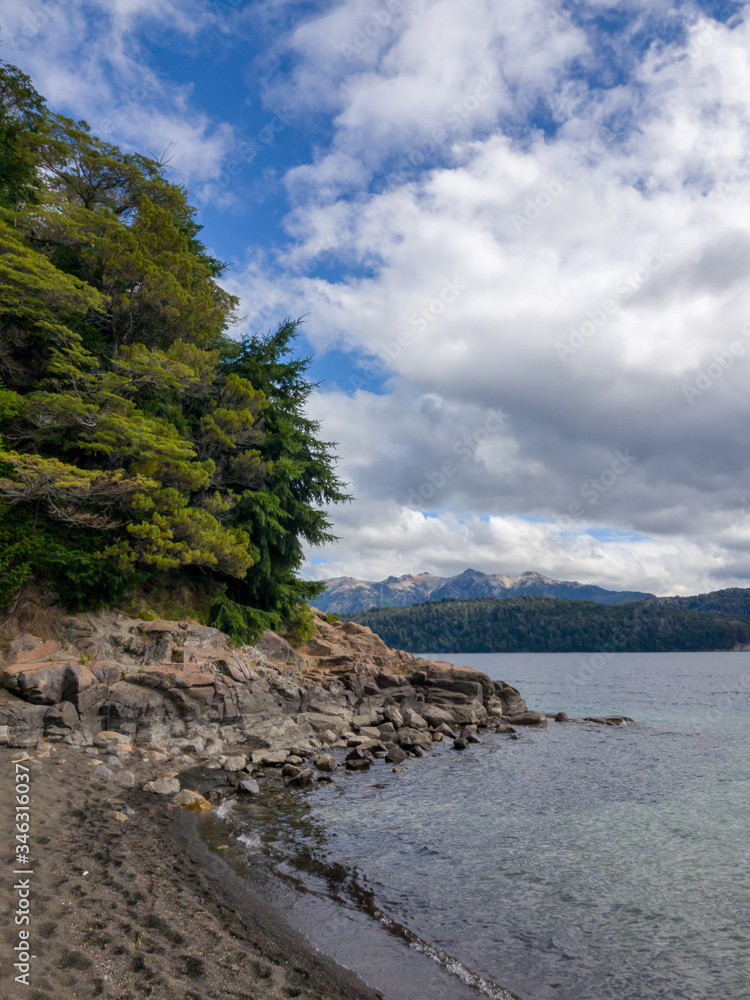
(716, 621)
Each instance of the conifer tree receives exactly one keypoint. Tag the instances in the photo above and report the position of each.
(141, 446)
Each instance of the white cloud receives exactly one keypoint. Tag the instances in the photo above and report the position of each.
(625, 236)
(88, 58)
(385, 539)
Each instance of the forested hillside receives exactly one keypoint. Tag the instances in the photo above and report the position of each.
(545, 624)
(146, 455)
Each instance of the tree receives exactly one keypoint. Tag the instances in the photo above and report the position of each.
(136, 436)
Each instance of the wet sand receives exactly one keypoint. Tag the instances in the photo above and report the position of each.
(140, 908)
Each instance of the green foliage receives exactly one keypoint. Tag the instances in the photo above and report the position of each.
(241, 622)
(552, 625)
(301, 627)
(140, 444)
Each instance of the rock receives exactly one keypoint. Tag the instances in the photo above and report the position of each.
(4, 735)
(358, 753)
(357, 741)
(510, 697)
(114, 763)
(409, 738)
(562, 717)
(107, 736)
(237, 763)
(472, 713)
(392, 714)
(322, 723)
(125, 779)
(437, 716)
(325, 762)
(436, 736)
(249, 786)
(102, 771)
(529, 719)
(293, 758)
(460, 743)
(302, 779)
(163, 786)
(63, 715)
(119, 816)
(39, 683)
(291, 770)
(278, 649)
(503, 727)
(467, 735)
(360, 764)
(413, 720)
(395, 755)
(328, 736)
(446, 730)
(369, 732)
(269, 758)
(191, 800)
(386, 731)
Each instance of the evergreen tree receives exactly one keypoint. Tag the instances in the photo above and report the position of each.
(140, 445)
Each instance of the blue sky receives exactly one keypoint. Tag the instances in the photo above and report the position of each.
(520, 235)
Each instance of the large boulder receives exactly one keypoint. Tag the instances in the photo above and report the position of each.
(39, 683)
(414, 720)
(437, 716)
(410, 738)
(529, 719)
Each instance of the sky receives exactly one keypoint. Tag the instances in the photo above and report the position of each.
(519, 233)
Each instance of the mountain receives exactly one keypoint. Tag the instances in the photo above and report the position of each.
(553, 625)
(344, 595)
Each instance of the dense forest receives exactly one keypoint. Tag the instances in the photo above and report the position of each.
(148, 459)
(547, 624)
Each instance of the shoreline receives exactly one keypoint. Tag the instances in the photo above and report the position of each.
(114, 717)
(141, 907)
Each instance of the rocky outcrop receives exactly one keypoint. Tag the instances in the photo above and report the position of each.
(161, 680)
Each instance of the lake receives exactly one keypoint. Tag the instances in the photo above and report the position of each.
(576, 863)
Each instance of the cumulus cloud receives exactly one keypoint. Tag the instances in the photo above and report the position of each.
(88, 59)
(573, 256)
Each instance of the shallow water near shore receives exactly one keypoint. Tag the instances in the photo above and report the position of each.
(578, 862)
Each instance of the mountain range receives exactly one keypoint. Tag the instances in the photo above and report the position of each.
(347, 595)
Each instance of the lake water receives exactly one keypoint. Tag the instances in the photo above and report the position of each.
(576, 863)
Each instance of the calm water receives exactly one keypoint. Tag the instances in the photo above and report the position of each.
(576, 863)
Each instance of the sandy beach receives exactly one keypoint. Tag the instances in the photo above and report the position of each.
(138, 907)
